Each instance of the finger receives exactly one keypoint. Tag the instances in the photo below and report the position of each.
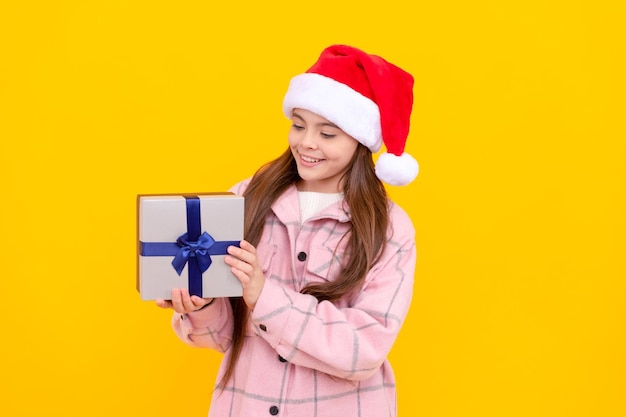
(163, 303)
(241, 253)
(198, 302)
(187, 303)
(241, 276)
(240, 265)
(177, 300)
(245, 251)
(245, 245)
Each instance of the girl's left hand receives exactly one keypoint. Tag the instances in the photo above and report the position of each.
(244, 263)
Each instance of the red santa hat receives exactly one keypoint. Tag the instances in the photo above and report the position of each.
(365, 96)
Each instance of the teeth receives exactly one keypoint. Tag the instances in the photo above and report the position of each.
(311, 160)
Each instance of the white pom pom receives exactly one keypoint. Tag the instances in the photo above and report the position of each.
(396, 170)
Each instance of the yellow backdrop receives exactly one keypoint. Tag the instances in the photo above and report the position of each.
(520, 206)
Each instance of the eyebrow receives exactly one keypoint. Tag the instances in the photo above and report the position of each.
(329, 124)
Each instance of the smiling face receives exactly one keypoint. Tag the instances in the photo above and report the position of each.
(322, 151)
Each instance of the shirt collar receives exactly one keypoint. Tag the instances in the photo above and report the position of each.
(287, 208)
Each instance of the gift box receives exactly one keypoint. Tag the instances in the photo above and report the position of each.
(182, 241)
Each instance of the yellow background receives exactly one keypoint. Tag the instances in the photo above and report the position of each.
(520, 207)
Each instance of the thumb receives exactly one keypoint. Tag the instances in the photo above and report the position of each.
(163, 303)
(198, 301)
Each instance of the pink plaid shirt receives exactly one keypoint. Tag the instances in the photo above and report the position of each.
(302, 357)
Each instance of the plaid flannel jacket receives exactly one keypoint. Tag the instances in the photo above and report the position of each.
(307, 358)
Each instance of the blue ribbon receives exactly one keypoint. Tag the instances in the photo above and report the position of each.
(194, 248)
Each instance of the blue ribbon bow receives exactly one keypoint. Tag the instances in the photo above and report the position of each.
(193, 248)
(198, 250)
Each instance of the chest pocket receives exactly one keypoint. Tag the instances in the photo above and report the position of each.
(266, 253)
(323, 264)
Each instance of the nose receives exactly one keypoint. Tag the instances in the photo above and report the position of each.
(308, 140)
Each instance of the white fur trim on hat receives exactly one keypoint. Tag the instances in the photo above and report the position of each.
(351, 111)
(396, 170)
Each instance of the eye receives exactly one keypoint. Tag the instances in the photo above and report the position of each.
(327, 135)
(297, 127)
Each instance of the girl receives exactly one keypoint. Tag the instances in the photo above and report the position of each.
(328, 262)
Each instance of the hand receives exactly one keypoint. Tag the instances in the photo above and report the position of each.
(183, 303)
(245, 265)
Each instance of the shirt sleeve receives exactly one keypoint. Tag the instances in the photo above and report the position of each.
(351, 342)
(210, 327)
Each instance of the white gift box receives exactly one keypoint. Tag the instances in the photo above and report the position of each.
(178, 235)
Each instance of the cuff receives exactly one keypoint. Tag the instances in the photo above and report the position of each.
(271, 313)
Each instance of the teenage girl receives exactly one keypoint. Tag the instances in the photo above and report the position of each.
(328, 261)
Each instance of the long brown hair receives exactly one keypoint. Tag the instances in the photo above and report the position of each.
(367, 201)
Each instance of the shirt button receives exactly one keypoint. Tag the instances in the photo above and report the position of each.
(302, 256)
(273, 410)
(262, 327)
(280, 358)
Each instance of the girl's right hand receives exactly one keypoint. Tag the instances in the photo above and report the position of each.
(182, 302)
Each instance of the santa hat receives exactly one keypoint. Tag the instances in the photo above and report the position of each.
(365, 96)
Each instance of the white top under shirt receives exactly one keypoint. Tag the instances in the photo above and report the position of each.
(312, 203)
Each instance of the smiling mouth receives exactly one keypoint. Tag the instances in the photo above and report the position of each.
(310, 160)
